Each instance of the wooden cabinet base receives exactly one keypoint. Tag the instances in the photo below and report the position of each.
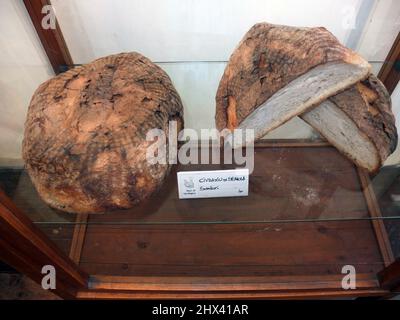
(272, 245)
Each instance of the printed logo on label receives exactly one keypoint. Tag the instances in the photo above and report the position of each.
(213, 184)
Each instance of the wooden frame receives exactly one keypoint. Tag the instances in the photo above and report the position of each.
(112, 287)
(375, 212)
(27, 249)
(78, 238)
(389, 277)
(119, 287)
(52, 40)
(390, 72)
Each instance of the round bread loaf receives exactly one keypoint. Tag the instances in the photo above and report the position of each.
(270, 57)
(85, 135)
(279, 72)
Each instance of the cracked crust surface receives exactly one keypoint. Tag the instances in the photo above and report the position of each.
(267, 59)
(85, 135)
(366, 109)
(268, 63)
(368, 105)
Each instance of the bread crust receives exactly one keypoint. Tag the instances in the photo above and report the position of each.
(270, 58)
(267, 59)
(85, 135)
(369, 106)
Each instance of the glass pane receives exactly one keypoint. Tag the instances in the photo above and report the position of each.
(289, 183)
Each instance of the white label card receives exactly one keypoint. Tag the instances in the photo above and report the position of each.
(213, 184)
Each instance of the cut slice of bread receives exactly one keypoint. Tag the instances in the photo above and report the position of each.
(279, 72)
(359, 123)
(302, 94)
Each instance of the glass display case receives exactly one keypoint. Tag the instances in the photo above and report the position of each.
(315, 224)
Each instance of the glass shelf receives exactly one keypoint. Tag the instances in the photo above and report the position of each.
(289, 184)
(309, 213)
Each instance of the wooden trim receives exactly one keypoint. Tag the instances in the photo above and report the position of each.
(78, 237)
(390, 71)
(279, 287)
(375, 213)
(389, 278)
(52, 40)
(27, 249)
(228, 283)
(297, 295)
